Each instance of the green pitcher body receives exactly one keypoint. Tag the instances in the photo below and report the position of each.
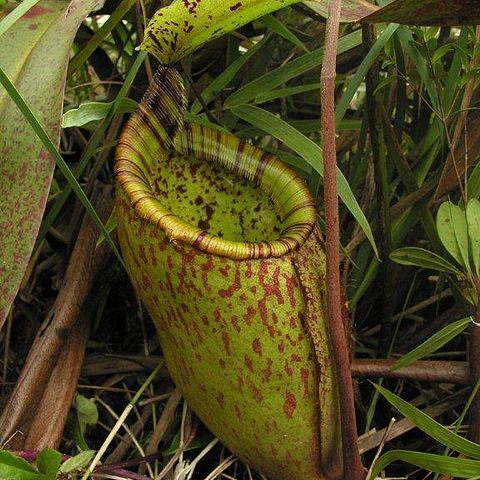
(220, 242)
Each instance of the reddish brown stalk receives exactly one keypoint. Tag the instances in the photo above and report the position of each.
(51, 412)
(22, 410)
(353, 468)
(423, 370)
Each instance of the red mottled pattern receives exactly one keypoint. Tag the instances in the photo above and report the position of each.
(242, 356)
(290, 404)
(34, 53)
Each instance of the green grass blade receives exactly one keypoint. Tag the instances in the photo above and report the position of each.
(48, 144)
(286, 92)
(431, 427)
(310, 152)
(434, 343)
(458, 467)
(450, 90)
(81, 57)
(292, 69)
(276, 26)
(226, 76)
(362, 70)
(94, 143)
(473, 185)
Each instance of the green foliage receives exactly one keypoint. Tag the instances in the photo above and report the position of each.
(48, 463)
(473, 222)
(436, 463)
(287, 72)
(86, 413)
(434, 343)
(458, 467)
(15, 468)
(78, 462)
(310, 152)
(452, 230)
(459, 231)
(93, 111)
(420, 257)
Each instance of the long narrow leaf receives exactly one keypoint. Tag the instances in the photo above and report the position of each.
(430, 426)
(434, 343)
(286, 92)
(419, 257)
(292, 69)
(362, 70)
(100, 35)
(226, 76)
(473, 185)
(93, 144)
(458, 467)
(275, 25)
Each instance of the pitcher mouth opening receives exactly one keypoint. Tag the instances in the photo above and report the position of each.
(154, 139)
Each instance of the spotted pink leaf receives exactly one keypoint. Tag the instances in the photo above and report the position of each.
(34, 53)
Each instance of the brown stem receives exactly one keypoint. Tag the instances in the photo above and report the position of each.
(474, 358)
(352, 465)
(100, 364)
(46, 427)
(21, 408)
(423, 370)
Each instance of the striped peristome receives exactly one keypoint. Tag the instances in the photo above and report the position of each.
(220, 241)
(161, 115)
